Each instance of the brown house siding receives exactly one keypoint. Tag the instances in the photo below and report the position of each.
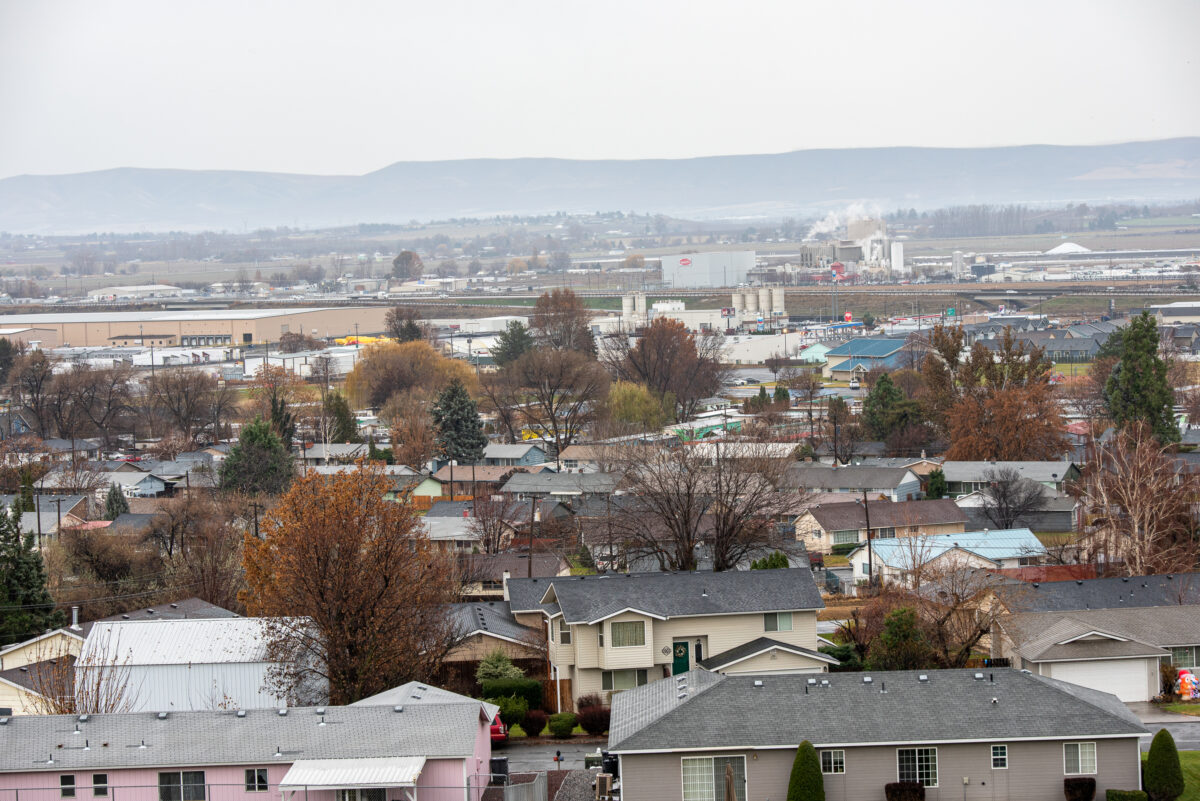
(1035, 772)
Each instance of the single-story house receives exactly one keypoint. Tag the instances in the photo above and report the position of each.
(485, 480)
(503, 455)
(963, 478)
(428, 747)
(904, 559)
(892, 483)
(856, 358)
(1117, 592)
(996, 735)
(131, 484)
(1058, 511)
(332, 452)
(484, 627)
(546, 484)
(827, 524)
(1116, 651)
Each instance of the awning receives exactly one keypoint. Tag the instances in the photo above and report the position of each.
(339, 774)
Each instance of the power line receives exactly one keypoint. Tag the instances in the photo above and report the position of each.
(97, 600)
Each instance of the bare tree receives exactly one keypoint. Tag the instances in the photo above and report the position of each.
(105, 398)
(30, 378)
(190, 400)
(564, 390)
(1140, 506)
(491, 518)
(500, 394)
(1009, 496)
(842, 430)
(98, 682)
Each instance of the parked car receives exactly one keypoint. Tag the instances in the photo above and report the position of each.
(854, 384)
(499, 731)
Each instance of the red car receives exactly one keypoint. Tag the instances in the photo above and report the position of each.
(499, 731)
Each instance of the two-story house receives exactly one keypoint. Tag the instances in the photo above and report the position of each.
(614, 632)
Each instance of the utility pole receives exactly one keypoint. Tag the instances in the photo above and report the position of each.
(870, 554)
(255, 506)
(532, 519)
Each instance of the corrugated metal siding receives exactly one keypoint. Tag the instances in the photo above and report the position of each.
(167, 688)
(176, 642)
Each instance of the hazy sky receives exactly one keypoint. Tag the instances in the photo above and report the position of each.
(346, 87)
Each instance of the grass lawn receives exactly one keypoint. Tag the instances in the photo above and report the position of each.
(1184, 709)
(1053, 539)
(833, 560)
(1190, 762)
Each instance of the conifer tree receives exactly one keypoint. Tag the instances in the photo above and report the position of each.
(459, 430)
(258, 463)
(1137, 388)
(26, 607)
(513, 343)
(115, 504)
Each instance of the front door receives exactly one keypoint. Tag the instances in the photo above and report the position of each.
(681, 662)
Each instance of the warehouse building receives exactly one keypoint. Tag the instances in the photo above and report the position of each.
(699, 270)
(199, 327)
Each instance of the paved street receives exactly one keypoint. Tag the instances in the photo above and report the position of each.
(540, 756)
(1184, 728)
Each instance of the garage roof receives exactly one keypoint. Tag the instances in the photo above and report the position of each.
(334, 774)
(1142, 631)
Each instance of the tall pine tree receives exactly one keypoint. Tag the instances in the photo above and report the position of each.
(459, 430)
(115, 504)
(26, 607)
(879, 408)
(258, 462)
(513, 342)
(1137, 389)
(342, 425)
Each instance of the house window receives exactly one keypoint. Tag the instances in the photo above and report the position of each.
(617, 680)
(999, 757)
(66, 785)
(600, 635)
(256, 780)
(1183, 657)
(704, 778)
(917, 765)
(846, 536)
(885, 532)
(777, 621)
(99, 784)
(1079, 758)
(833, 761)
(564, 633)
(629, 634)
(185, 785)
(371, 794)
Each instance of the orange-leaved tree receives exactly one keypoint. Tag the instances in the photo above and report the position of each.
(354, 594)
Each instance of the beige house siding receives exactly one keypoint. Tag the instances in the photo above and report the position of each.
(818, 540)
(1035, 772)
(20, 701)
(476, 647)
(777, 662)
(49, 647)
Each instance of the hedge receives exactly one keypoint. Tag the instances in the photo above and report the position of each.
(841, 549)
(1164, 775)
(562, 724)
(904, 791)
(534, 719)
(1079, 788)
(512, 709)
(806, 782)
(529, 689)
(1125, 795)
(594, 719)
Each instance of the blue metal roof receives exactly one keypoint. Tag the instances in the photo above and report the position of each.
(870, 348)
(1010, 543)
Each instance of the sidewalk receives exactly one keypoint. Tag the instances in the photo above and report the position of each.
(1154, 713)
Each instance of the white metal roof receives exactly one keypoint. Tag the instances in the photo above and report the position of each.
(55, 318)
(176, 642)
(337, 774)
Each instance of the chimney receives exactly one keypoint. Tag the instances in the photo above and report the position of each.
(505, 577)
(75, 618)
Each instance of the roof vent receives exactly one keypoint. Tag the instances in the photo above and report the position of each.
(398, 708)
(812, 681)
(1036, 585)
(143, 746)
(162, 715)
(320, 710)
(824, 682)
(283, 712)
(84, 718)
(758, 683)
(1079, 581)
(923, 677)
(322, 723)
(867, 679)
(978, 677)
(995, 700)
(149, 611)
(278, 752)
(3, 721)
(241, 713)
(681, 695)
(1125, 579)
(125, 617)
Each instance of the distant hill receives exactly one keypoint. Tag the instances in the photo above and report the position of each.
(797, 183)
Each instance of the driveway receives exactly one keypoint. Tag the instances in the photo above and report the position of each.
(1184, 728)
(539, 755)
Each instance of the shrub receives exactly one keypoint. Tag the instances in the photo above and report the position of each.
(534, 723)
(904, 791)
(1164, 776)
(806, 783)
(594, 719)
(497, 665)
(562, 724)
(841, 549)
(529, 689)
(587, 701)
(1079, 788)
(512, 709)
(1125, 795)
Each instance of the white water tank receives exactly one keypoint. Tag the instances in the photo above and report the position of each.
(739, 300)
(639, 301)
(751, 301)
(764, 300)
(778, 300)
(627, 306)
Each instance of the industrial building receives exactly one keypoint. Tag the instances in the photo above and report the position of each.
(760, 309)
(701, 270)
(199, 327)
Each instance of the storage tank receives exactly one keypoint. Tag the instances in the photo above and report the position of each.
(764, 300)
(751, 302)
(627, 306)
(778, 300)
(639, 301)
(738, 301)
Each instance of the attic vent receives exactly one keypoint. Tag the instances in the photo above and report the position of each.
(923, 677)
(867, 679)
(149, 611)
(1125, 579)
(978, 677)
(681, 695)
(320, 710)
(283, 712)
(995, 700)
(3, 721)
(398, 708)
(1036, 585)
(125, 617)
(1079, 581)
(162, 715)
(241, 713)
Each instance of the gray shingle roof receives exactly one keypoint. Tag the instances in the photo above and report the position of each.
(585, 599)
(1107, 593)
(759, 646)
(885, 514)
(223, 738)
(186, 609)
(977, 471)
(1146, 630)
(823, 476)
(489, 617)
(547, 482)
(952, 705)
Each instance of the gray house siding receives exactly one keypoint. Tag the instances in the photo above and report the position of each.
(1035, 772)
(977, 520)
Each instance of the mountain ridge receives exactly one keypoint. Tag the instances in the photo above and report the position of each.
(796, 183)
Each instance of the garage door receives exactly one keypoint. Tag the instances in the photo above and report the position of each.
(1128, 679)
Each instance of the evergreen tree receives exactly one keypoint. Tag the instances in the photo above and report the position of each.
(773, 561)
(26, 502)
(7, 354)
(459, 429)
(781, 395)
(497, 665)
(342, 425)
(258, 463)
(26, 607)
(901, 644)
(806, 782)
(115, 504)
(283, 422)
(880, 407)
(513, 343)
(1164, 775)
(936, 486)
(410, 331)
(1138, 388)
